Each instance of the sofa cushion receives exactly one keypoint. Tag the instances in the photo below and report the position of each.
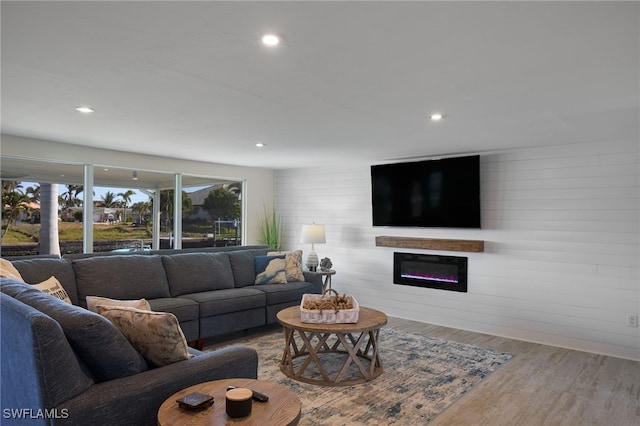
(231, 300)
(270, 269)
(39, 269)
(194, 272)
(121, 277)
(96, 341)
(94, 301)
(53, 287)
(156, 335)
(184, 309)
(279, 293)
(243, 268)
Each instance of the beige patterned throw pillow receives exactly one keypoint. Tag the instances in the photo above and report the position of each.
(94, 301)
(156, 335)
(53, 287)
(292, 264)
(7, 270)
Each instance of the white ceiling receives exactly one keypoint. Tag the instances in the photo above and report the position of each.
(352, 81)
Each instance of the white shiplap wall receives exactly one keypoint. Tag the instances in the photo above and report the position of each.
(562, 246)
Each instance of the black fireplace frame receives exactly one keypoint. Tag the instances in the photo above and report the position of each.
(460, 262)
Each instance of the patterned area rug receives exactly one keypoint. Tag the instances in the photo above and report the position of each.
(422, 377)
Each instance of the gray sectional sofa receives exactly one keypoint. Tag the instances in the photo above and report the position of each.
(210, 291)
(64, 365)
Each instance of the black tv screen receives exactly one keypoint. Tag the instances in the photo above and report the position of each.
(432, 193)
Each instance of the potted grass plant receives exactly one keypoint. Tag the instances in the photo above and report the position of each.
(271, 230)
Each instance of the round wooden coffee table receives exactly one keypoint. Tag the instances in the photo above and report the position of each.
(282, 409)
(307, 343)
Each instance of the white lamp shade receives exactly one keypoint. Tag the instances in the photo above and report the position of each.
(313, 234)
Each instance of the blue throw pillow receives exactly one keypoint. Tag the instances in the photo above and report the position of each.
(270, 269)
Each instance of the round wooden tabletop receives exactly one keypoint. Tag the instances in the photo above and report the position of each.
(282, 409)
(368, 319)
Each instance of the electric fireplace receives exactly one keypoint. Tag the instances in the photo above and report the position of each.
(431, 271)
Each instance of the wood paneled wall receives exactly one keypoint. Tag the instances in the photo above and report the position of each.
(561, 255)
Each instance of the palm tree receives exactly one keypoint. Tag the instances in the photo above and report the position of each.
(141, 208)
(126, 199)
(34, 193)
(70, 197)
(10, 185)
(14, 201)
(109, 200)
(166, 205)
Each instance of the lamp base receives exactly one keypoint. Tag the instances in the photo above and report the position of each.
(312, 261)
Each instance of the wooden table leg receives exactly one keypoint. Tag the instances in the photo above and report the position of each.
(313, 355)
(353, 357)
(375, 354)
(286, 362)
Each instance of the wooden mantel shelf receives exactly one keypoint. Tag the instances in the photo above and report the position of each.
(430, 243)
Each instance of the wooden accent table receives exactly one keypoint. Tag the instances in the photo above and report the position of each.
(327, 278)
(356, 342)
(282, 409)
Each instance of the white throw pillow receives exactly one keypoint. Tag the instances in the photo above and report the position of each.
(156, 335)
(53, 287)
(270, 269)
(94, 301)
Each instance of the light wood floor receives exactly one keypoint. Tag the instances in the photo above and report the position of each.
(540, 385)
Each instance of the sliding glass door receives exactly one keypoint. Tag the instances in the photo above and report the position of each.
(131, 210)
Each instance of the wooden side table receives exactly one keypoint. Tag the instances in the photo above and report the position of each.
(327, 278)
(282, 409)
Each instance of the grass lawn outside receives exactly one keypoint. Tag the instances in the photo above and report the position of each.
(72, 231)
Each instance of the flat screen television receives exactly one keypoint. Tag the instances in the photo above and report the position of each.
(432, 193)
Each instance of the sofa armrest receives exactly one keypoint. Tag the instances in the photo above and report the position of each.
(314, 278)
(136, 399)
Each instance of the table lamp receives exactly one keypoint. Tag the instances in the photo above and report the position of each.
(313, 234)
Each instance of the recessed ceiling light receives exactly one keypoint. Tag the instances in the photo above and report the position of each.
(436, 117)
(270, 40)
(85, 110)
(260, 144)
